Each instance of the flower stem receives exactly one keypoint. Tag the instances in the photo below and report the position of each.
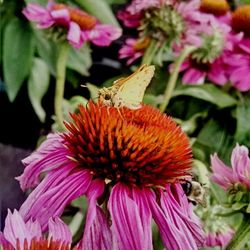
(60, 82)
(150, 52)
(241, 236)
(173, 78)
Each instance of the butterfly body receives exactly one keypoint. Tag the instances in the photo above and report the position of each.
(128, 92)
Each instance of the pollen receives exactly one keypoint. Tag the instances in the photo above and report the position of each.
(138, 147)
(84, 20)
(216, 7)
(241, 19)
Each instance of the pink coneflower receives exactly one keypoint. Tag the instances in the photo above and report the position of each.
(238, 59)
(75, 23)
(28, 236)
(171, 25)
(219, 239)
(234, 180)
(133, 49)
(129, 164)
(225, 176)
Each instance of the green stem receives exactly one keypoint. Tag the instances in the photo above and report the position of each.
(150, 53)
(241, 236)
(60, 82)
(174, 75)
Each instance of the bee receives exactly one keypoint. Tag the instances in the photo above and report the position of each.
(195, 192)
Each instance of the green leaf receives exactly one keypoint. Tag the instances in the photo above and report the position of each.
(215, 136)
(93, 91)
(99, 9)
(243, 124)
(18, 49)
(80, 60)
(47, 49)
(38, 84)
(41, 2)
(207, 92)
(238, 205)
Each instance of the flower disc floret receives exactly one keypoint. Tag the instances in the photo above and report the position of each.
(241, 19)
(138, 147)
(216, 7)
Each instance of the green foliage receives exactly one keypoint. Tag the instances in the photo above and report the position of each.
(207, 92)
(38, 84)
(18, 50)
(243, 122)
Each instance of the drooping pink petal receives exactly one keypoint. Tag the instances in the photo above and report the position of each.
(56, 190)
(58, 230)
(103, 34)
(127, 226)
(184, 211)
(222, 174)
(97, 233)
(50, 155)
(35, 12)
(74, 35)
(171, 236)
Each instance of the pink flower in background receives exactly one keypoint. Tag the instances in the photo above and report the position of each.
(219, 239)
(20, 235)
(131, 160)
(79, 26)
(238, 62)
(226, 176)
(133, 49)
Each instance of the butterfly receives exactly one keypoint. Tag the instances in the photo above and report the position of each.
(129, 91)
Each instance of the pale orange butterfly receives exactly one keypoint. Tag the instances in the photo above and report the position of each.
(129, 91)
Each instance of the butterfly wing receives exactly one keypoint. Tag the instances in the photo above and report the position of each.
(131, 89)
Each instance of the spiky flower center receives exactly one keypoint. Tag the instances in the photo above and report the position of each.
(241, 19)
(216, 7)
(210, 49)
(162, 23)
(138, 147)
(84, 20)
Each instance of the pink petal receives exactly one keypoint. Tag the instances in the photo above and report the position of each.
(222, 174)
(241, 164)
(61, 16)
(58, 230)
(34, 228)
(97, 233)
(39, 14)
(15, 228)
(171, 236)
(74, 35)
(193, 76)
(50, 197)
(103, 34)
(3, 242)
(181, 209)
(127, 226)
(50, 155)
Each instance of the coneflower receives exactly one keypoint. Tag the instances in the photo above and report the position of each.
(129, 163)
(18, 235)
(71, 23)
